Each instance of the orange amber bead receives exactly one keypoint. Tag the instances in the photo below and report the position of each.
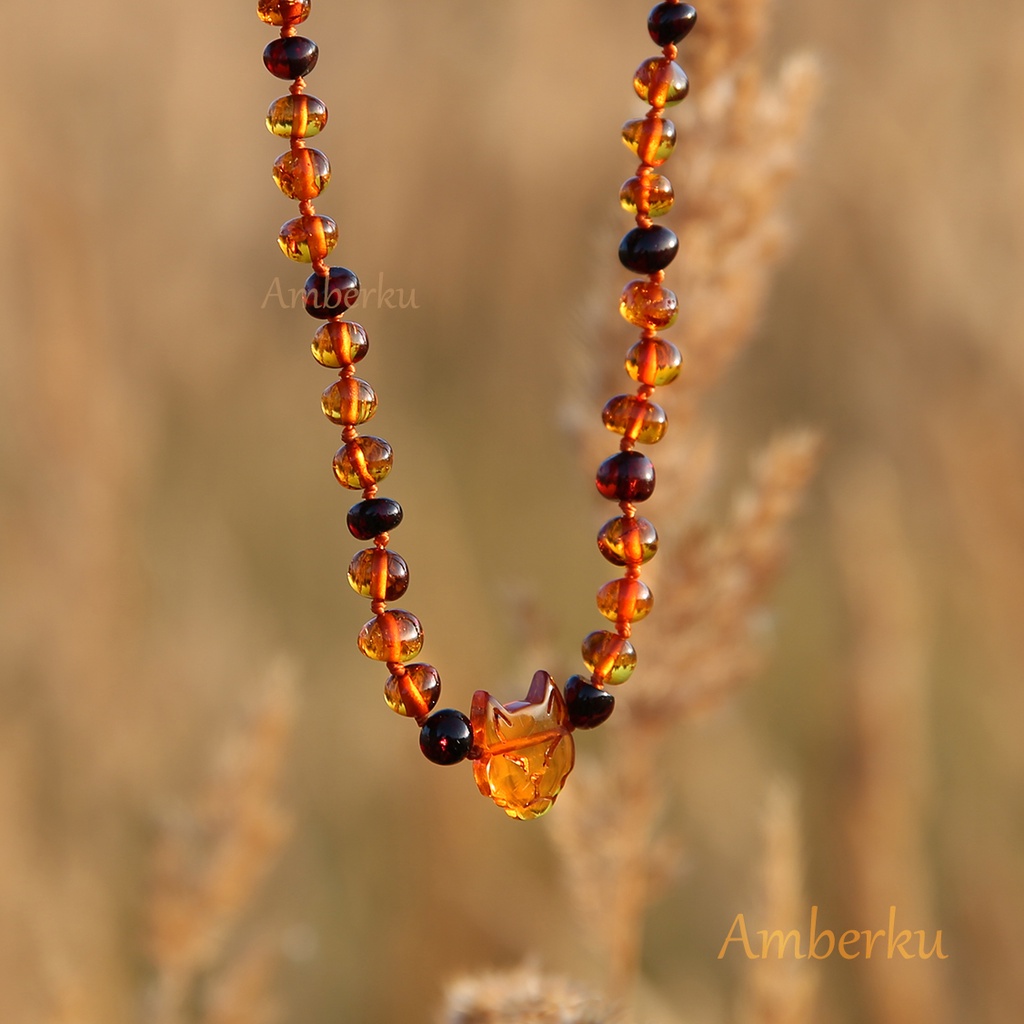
(610, 657)
(654, 362)
(654, 199)
(652, 139)
(625, 600)
(280, 12)
(349, 402)
(648, 304)
(305, 239)
(362, 462)
(302, 173)
(661, 82)
(378, 574)
(297, 117)
(628, 540)
(339, 343)
(635, 418)
(392, 636)
(414, 693)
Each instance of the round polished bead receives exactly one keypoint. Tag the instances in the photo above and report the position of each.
(372, 517)
(648, 304)
(297, 117)
(654, 362)
(651, 195)
(302, 173)
(446, 737)
(661, 82)
(339, 343)
(305, 239)
(626, 476)
(625, 600)
(628, 540)
(414, 693)
(349, 402)
(283, 12)
(363, 462)
(588, 705)
(669, 23)
(652, 139)
(648, 250)
(610, 657)
(392, 636)
(379, 574)
(290, 56)
(329, 296)
(635, 418)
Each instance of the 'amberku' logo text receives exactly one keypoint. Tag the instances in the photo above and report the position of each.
(386, 298)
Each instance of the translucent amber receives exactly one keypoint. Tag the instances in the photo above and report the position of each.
(628, 540)
(297, 117)
(415, 693)
(610, 657)
(635, 418)
(363, 462)
(652, 139)
(661, 82)
(625, 600)
(290, 56)
(378, 574)
(626, 476)
(302, 173)
(648, 304)
(371, 517)
(654, 362)
(349, 402)
(339, 343)
(392, 636)
(525, 749)
(280, 12)
(654, 198)
(305, 239)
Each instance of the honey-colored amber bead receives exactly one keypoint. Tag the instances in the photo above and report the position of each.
(653, 198)
(282, 12)
(415, 693)
(349, 402)
(610, 657)
(392, 636)
(362, 462)
(339, 343)
(525, 749)
(378, 574)
(625, 600)
(298, 116)
(652, 139)
(628, 540)
(302, 173)
(305, 239)
(661, 82)
(635, 418)
(649, 304)
(654, 362)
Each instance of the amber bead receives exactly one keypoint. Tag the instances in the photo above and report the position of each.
(392, 636)
(378, 574)
(372, 517)
(446, 737)
(610, 657)
(349, 402)
(297, 117)
(653, 198)
(329, 296)
(339, 343)
(625, 600)
(661, 82)
(302, 173)
(635, 418)
(669, 23)
(414, 693)
(290, 56)
(648, 304)
(626, 476)
(648, 250)
(628, 540)
(654, 362)
(305, 239)
(588, 705)
(652, 139)
(362, 462)
(283, 12)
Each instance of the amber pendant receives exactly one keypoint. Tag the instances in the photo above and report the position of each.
(524, 750)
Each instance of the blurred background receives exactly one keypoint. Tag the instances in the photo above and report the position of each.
(170, 527)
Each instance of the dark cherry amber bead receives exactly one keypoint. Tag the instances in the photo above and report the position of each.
(628, 540)
(362, 462)
(648, 304)
(626, 476)
(283, 12)
(669, 23)
(339, 343)
(305, 239)
(414, 693)
(653, 198)
(652, 139)
(446, 737)
(349, 402)
(329, 296)
(625, 600)
(648, 250)
(610, 657)
(302, 173)
(588, 705)
(635, 418)
(290, 56)
(372, 517)
(654, 362)
(392, 636)
(297, 117)
(378, 574)
(661, 82)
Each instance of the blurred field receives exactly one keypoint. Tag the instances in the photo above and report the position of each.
(170, 529)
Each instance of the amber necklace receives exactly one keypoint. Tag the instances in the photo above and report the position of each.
(521, 752)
